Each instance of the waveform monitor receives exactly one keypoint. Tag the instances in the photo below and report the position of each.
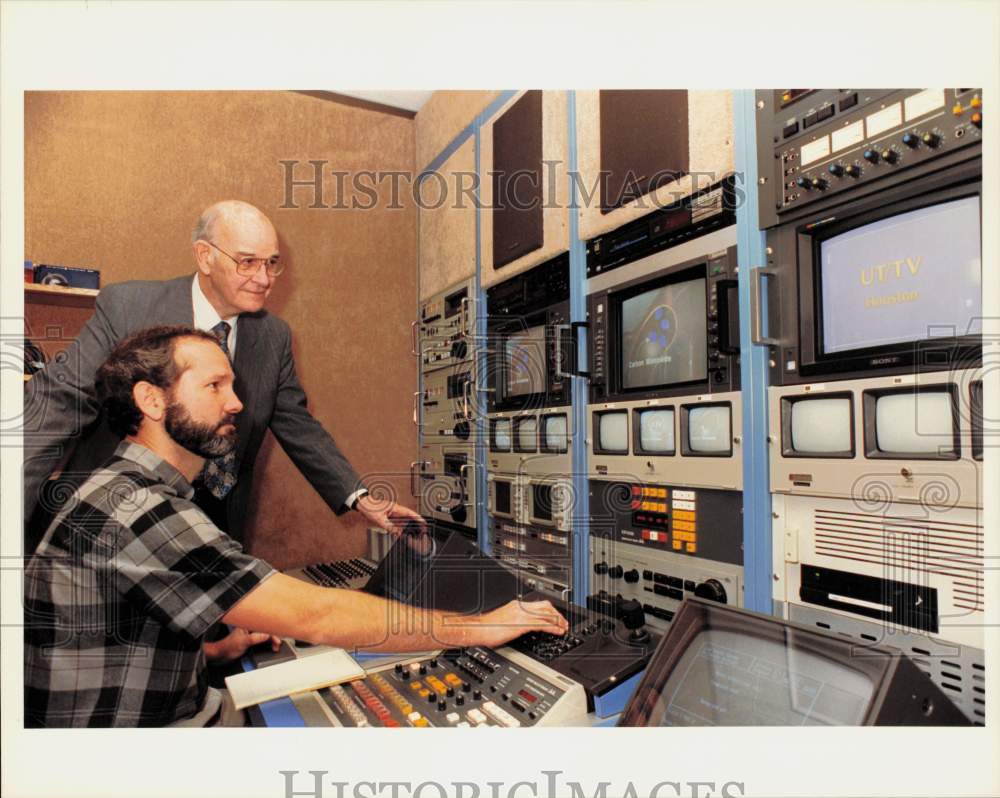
(723, 666)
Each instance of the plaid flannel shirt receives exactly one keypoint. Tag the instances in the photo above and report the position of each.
(119, 595)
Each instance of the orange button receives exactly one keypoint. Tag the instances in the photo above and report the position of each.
(976, 102)
(684, 515)
(684, 526)
(677, 545)
(957, 109)
(690, 548)
(453, 680)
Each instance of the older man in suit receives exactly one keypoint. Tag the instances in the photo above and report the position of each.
(236, 252)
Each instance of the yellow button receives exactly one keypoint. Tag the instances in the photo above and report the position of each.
(684, 515)
(691, 548)
(415, 685)
(957, 109)
(677, 545)
(683, 526)
(662, 493)
(976, 102)
(421, 722)
(453, 680)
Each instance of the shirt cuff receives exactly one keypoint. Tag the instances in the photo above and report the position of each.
(351, 500)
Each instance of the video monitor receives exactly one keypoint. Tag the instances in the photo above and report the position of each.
(909, 277)
(541, 502)
(664, 336)
(612, 432)
(554, 433)
(918, 424)
(976, 418)
(525, 362)
(500, 434)
(723, 666)
(655, 431)
(709, 430)
(501, 492)
(818, 426)
(526, 434)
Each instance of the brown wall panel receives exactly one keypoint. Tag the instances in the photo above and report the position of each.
(555, 227)
(116, 180)
(443, 117)
(448, 223)
(710, 142)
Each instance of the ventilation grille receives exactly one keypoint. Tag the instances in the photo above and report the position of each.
(943, 548)
(958, 670)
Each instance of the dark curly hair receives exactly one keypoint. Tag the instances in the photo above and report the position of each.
(144, 356)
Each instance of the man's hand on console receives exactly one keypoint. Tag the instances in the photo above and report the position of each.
(389, 516)
(236, 643)
(514, 619)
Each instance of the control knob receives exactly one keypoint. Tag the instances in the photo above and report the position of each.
(836, 169)
(615, 572)
(462, 430)
(803, 182)
(633, 618)
(911, 140)
(712, 590)
(931, 139)
(601, 568)
(853, 170)
(889, 155)
(819, 183)
(872, 156)
(458, 350)
(631, 577)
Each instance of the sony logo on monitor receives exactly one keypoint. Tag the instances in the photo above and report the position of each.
(883, 361)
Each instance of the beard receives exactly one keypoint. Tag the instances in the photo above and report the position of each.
(203, 440)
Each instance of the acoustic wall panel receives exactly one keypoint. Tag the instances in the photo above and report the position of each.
(443, 117)
(710, 156)
(554, 189)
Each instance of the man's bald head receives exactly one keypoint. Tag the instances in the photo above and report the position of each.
(228, 234)
(231, 214)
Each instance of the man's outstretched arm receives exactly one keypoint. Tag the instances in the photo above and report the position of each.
(288, 607)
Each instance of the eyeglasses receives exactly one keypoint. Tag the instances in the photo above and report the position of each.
(247, 266)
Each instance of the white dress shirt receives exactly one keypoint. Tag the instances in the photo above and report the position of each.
(206, 317)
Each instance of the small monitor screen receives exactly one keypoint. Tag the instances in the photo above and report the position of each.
(664, 336)
(921, 423)
(501, 434)
(525, 362)
(709, 429)
(656, 431)
(727, 678)
(501, 490)
(910, 277)
(541, 502)
(612, 431)
(527, 434)
(821, 426)
(554, 433)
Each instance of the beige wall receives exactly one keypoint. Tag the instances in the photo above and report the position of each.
(115, 181)
(443, 117)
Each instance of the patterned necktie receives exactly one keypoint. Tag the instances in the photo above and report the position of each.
(219, 474)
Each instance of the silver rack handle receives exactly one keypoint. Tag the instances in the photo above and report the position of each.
(413, 338)
(465, 400)
(413, 465)
(416, 423)
(756, 308)
(463, 316)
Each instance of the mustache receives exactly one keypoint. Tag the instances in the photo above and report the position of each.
(230, 419)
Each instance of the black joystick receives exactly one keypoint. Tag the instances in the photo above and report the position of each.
(634, 618)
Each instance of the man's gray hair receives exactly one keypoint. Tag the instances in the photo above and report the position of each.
(204, 227)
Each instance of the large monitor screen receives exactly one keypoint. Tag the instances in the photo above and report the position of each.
(525, 362)
(910, 277)
(728, 678)
(664, 336)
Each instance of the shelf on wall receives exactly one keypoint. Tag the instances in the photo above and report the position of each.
(60, 295)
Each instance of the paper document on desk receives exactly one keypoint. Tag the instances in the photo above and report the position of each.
(306, 673)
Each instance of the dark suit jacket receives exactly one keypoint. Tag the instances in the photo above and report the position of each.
(62, 411)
